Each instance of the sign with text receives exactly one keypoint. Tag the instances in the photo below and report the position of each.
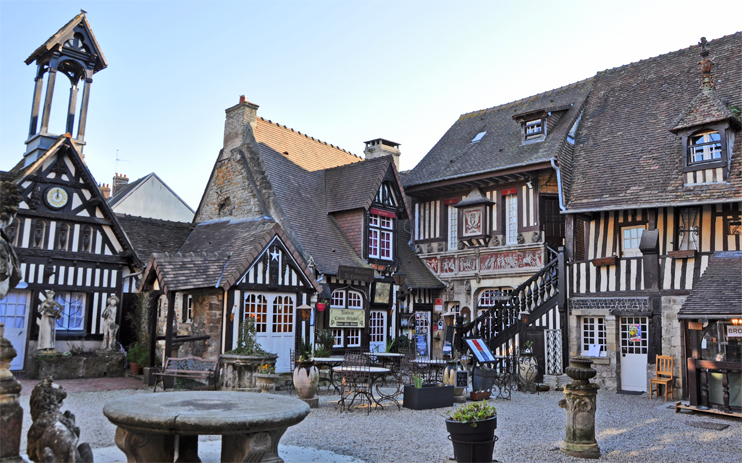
(347, 318)
(346, 272)
(462, 378)
(439, 305)
(734, 331)
(481, 350)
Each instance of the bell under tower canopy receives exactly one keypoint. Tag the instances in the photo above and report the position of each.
(74, 52)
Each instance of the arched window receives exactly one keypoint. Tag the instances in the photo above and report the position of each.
(283, 314)
(489, 297)
(704, 146)
(256, 306)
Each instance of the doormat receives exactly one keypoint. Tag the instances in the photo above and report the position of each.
(629, 392)
(708, 425)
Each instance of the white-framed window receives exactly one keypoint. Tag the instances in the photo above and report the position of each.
(73, 311)
(377, 326)
(593, 332)
(453, 228)
(283, 314)
(188, 309)
(355, 301)
(380, 237)
(687, 238)
(534, 128)
(338, 298)
(511, 205)
(338, 335)
(354, 337)
(630, 239)
(256, 306)
(704, 146)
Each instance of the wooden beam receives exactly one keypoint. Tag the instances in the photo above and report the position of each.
(169, 325)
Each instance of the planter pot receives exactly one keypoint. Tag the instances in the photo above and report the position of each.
(473, 444)
(237, 370)
(306, 380)
(427, 397)
(483, 380)
(580, 370)
(266, 381)
(135, 368)
(479, 395)
(527, 369)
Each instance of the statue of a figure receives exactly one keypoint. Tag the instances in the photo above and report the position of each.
(50, 311)
(110, 328)
(53, 436)
(10, 271)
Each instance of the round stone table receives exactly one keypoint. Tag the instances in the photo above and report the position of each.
(151, 428)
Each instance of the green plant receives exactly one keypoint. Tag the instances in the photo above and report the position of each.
(305, 352)
(528, 345)
(247, 342)
(75, 349)
(418, 381)
(267, 369)
(400, 342)
(325, 339)
(321, 352)
(138, 354)
(735, 110)
(473, 412)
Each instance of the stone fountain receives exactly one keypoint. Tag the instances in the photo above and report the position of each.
(580, 403)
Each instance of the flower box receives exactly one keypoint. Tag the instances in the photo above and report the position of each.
(427, 397)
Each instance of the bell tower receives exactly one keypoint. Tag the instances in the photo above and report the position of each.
(74, 53)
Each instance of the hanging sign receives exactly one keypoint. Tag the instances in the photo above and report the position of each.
(439, 305)
(347, 318)
(481, 350)
(734, 331)
(635, 333)
(346, 272)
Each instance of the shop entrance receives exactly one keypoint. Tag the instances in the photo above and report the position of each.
(634, 349)
(274, 324)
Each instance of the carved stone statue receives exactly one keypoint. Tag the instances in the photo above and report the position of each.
(10, 272)
(53, 436)
(50, 311)
(110, 328)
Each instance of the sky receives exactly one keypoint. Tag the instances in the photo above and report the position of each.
(341, 71)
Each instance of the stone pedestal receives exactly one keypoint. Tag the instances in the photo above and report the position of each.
(99, 364)
(11, 413)
(313, 402)
(580, 403)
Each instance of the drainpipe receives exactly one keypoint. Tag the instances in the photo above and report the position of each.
(559, 184)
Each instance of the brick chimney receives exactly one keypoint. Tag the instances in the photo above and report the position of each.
(380, 147)
(105, 189)
(237, 117)
(119, 181)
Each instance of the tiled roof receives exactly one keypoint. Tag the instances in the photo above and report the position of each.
(456, 156)
(125, 190)
(625, 155)
(305, 151)
(57, 38)
(354, 186)
(705, 108)
(153, 235)
(418, 275)
(181, 271)
(719, 290)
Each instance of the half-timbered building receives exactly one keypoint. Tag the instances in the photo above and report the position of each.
(293, 232)
(65, 234)
(486, 219)
(653, 190)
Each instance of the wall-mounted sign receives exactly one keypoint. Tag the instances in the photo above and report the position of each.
(347, 318)
(346, 272)
(439, 305)
(382, 292)
(734, 331)
(695, 326)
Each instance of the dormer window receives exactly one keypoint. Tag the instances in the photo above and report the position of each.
(534, 129)
(704, 146)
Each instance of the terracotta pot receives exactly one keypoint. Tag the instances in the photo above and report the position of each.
(135, 368)
(306, 380)
(479, 395)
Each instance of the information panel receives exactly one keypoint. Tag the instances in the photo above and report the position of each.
(481, 350)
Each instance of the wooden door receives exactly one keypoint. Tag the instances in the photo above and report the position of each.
(377, 331)
(14, 309)
(536, 334)
(274, 316)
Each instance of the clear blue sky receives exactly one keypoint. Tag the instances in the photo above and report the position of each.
(343, 72)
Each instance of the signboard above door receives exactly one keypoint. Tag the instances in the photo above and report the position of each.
(346, 272)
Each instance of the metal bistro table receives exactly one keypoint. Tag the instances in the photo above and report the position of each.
(250, 424)
(374, 372)
(329, 362)
(390, 359)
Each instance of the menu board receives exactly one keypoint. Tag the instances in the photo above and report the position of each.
(421, 343)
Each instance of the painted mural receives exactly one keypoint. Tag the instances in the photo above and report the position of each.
(448, 264)
(510, 260)
(472, 222)
(467, 264)
(432, 262)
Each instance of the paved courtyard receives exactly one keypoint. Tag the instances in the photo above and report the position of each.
(530, 428)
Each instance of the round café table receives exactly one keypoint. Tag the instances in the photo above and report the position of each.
(150, 428)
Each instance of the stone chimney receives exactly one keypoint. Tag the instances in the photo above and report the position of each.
(379, 147)
(105, 189)
(238, 116)
(119, 181)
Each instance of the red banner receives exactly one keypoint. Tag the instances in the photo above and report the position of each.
(451, 201)
(382, 213)
(511, 191)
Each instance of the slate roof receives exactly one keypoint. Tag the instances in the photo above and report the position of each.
(625, 155)
(705, 108)
(418, 275)
(305, 151)
(152, 235)
(63, 34)
(456, 156)
(123, 191)
(354, 186)
(181, 271)
(719, 290)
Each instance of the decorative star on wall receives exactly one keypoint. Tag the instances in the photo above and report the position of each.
(274, 255)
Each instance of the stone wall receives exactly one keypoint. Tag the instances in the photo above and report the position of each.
(207, 319)
(672, 343)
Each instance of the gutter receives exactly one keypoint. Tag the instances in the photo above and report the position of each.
(559, 185)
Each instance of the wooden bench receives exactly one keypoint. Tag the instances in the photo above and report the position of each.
(187, 367)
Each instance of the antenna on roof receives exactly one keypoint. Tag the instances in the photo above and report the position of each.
(116, 164)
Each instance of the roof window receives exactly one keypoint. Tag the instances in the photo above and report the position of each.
(479, 136)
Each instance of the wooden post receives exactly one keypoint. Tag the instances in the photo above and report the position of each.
(169, 325)
(154, 296)
(562, 302)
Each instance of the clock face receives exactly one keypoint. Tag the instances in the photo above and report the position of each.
(56, 197)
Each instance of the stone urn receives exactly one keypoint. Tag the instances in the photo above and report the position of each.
(237, 370)
(266, 381)
(306, 380)
(580, 404)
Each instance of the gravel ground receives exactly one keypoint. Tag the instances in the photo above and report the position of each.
(530, 428)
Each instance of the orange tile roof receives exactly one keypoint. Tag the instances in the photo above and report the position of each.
(306, 152)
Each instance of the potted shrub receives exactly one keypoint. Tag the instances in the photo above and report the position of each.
(472, 429)
(266, 377)
(240, 364)
(137, 356)
(419, 396)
